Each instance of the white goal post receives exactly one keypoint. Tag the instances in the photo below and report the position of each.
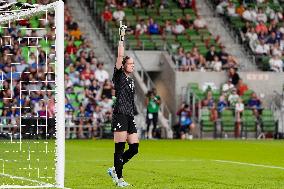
(8, 17)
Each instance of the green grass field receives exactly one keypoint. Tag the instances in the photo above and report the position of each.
(164, 164)
(167, 164)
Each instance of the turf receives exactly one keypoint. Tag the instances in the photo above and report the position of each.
(168, 164)
(160, 164)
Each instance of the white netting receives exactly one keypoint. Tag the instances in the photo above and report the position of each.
(28, 82)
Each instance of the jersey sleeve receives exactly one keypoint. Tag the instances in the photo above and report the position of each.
(117, 73)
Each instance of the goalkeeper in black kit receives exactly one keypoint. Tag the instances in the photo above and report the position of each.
(124, 110)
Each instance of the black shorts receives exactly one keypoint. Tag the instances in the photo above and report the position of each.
(150, 118)
(121, 122)
(184, 129)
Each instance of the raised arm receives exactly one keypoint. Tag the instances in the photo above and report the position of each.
(120, 50)
(120, 54)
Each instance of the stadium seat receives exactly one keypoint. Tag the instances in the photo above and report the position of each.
(206, 125)
(248, 124)
(268, 123)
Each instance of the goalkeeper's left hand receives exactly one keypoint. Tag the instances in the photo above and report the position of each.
(122, 30)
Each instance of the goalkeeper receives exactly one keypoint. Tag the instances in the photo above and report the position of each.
(124, 110)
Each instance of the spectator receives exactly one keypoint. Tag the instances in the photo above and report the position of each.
(272, 39)
(241, 88)
(141, 28)
(107, 15)
(179, 56)
(168, 27)
(227, 87)
(234, 76)
(239, 108)
(251, 35)
(233, 98)
(231, 10)
(187, 63)
(276, 64)
(187, 21)
(211, 53)
(222, 104)
(185, 122)
(101, 74)
(184, 4)
(153, 102)
(208, 101)
(107, 89)
(216, 64)
(178, 28)
(153, 27)
(261, 27)
(249, 14)
(213, 113)
(231, 62)
(262, 48)
(261, 16)
(223, 56)
(199, 23)
(255, 104)
(118, 14)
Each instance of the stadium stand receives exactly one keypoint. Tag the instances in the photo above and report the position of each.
(89, 92)
(259, 25)
(170, 25)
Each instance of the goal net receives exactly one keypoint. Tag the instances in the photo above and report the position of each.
(32, 116)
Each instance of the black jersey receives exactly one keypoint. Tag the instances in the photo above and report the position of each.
(124, 93)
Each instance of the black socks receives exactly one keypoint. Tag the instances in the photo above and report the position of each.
(121, 158)
(118, 160)
(132, 151)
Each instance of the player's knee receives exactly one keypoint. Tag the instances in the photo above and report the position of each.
(134, 148)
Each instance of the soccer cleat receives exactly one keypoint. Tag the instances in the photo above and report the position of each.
(112, 174)
(121, 183)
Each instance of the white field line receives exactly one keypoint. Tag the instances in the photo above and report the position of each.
(41, 184)
(188, 160)
(249, 164)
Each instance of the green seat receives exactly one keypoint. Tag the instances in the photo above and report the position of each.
(228, 123)
(267, 113)
(227, 113)
(216, 94)
(249, 124)
(207, 125)
(268, 124)
(247, 112)
(148, 45)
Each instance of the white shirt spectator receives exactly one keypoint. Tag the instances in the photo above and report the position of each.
(276, 64)
(178, 28)
(227, 86)
(118, 15)
(233, 98)
(249, 15)
(217, 65)
(261, 17)
(251, 35)
(240, 107)
(141, 28)
(101, 75)
(232, 10)
(199, 22)
(262, 49)
(276, 51)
